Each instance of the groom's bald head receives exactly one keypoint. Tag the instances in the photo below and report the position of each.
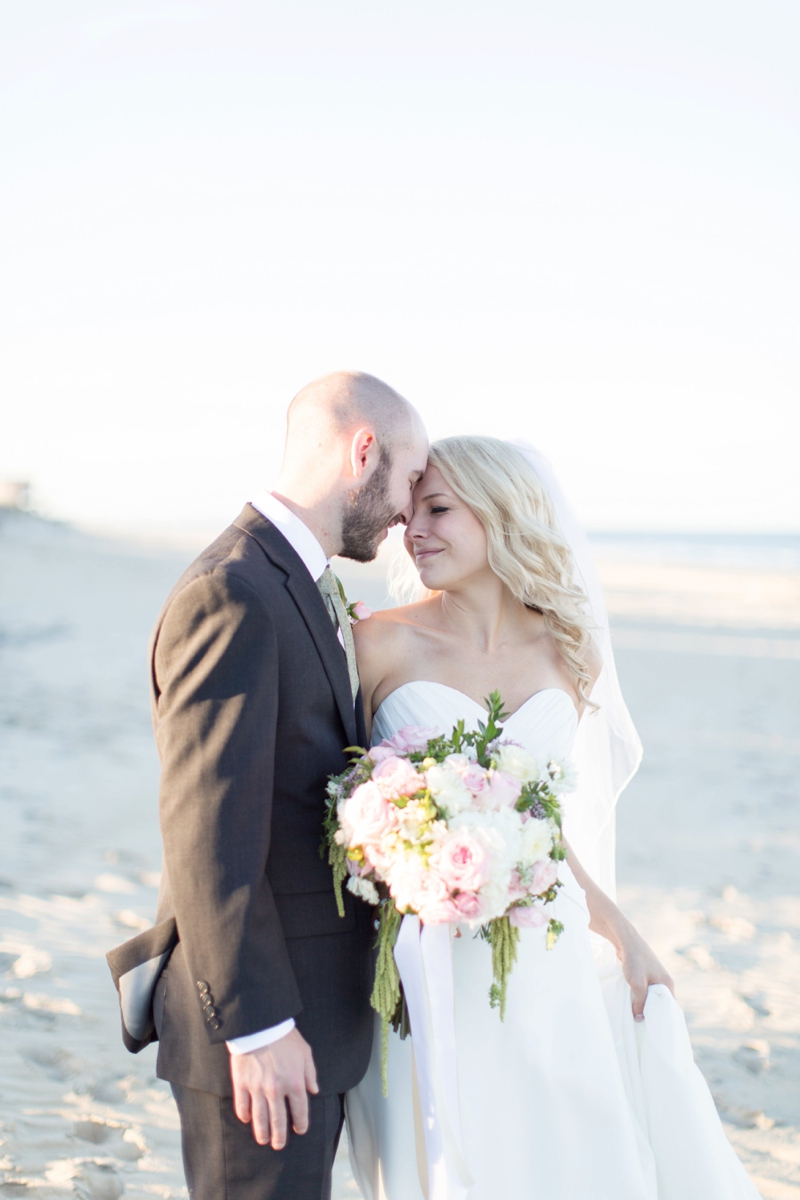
(355, 448)
(335, 406)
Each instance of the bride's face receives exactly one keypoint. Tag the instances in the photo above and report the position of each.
(444, 537)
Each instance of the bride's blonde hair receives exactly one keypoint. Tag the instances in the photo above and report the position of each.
(525, 548)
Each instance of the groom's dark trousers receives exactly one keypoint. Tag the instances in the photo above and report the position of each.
(252, 709)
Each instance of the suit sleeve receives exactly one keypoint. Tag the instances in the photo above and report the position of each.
(215, 668)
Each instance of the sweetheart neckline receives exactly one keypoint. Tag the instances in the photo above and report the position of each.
(464, 696)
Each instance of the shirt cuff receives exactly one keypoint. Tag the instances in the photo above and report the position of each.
(254, 1041)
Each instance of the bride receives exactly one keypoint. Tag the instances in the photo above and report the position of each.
(587, 1090)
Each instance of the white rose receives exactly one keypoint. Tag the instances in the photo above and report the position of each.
(563, 776)
(364, 888)
(448, 788)
(494, 895)
(537, 842)
(516, 761)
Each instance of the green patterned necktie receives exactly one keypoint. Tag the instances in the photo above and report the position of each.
(329, 587)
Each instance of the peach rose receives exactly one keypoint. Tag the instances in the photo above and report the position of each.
(368, 814)
(396, 777)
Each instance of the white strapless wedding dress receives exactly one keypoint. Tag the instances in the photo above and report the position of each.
(568, 1098)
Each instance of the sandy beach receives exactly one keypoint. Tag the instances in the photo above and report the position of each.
(708, 860)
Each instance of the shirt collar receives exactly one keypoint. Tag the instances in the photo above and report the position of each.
(297, 534)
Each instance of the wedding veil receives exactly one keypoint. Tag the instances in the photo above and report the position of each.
(607, 750)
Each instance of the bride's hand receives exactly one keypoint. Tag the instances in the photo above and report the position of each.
(641, 967)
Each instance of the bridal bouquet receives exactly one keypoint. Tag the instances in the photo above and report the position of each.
(464, 830)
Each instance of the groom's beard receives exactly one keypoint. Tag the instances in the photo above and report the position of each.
(367, 514)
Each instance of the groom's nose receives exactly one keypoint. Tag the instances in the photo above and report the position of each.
(406, 515)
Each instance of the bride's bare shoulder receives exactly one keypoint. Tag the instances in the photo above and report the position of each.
(391, 627)
(389, 645)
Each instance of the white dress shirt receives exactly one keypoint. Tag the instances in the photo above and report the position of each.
(303, 542)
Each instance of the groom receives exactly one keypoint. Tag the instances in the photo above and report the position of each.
(260, 991)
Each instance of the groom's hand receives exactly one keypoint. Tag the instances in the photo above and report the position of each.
(265, 1080)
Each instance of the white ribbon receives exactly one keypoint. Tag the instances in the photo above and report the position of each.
(424, 958)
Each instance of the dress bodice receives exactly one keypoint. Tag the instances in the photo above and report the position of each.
(545, 724)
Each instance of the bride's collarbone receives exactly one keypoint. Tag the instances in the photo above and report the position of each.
(410, 652)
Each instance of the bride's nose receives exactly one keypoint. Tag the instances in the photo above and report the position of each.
(415, 530)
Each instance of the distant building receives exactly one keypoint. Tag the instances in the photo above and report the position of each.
(14, 494)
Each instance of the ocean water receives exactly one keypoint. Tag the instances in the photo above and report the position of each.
(757, 551)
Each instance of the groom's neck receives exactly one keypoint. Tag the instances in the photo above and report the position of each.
(319, 514)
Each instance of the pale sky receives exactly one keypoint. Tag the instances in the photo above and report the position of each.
(572, 222)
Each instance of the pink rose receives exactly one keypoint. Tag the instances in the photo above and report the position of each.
(396, 777)
(472, 774)
(527, 916)
(410, 737)
(545, 874)
(439, 912)
(469, 906)
(516, 888)
(368, 814)
(360, 611)
(379, 753)
(475, 778)
(463, 863)
(502, 791)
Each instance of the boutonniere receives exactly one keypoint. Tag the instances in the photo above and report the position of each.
(357, 611)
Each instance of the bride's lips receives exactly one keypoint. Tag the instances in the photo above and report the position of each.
(422, 556)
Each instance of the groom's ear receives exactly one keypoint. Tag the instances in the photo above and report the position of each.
(363, 450)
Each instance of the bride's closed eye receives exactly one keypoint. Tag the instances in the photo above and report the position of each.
(439, 509)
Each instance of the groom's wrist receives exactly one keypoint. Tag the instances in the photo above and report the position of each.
(265, 1037)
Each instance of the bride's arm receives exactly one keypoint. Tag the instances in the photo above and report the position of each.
(640, 966)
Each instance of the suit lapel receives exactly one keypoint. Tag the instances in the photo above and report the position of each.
(306, 596)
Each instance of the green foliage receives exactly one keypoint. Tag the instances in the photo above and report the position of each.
(503, 937)
(481, 739)
(554, 930)
(337, 857)
(386, 996)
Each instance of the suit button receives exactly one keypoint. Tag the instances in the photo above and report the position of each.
(202, 987)
(214, 1023)
(207, 1000)
(211, 1014)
